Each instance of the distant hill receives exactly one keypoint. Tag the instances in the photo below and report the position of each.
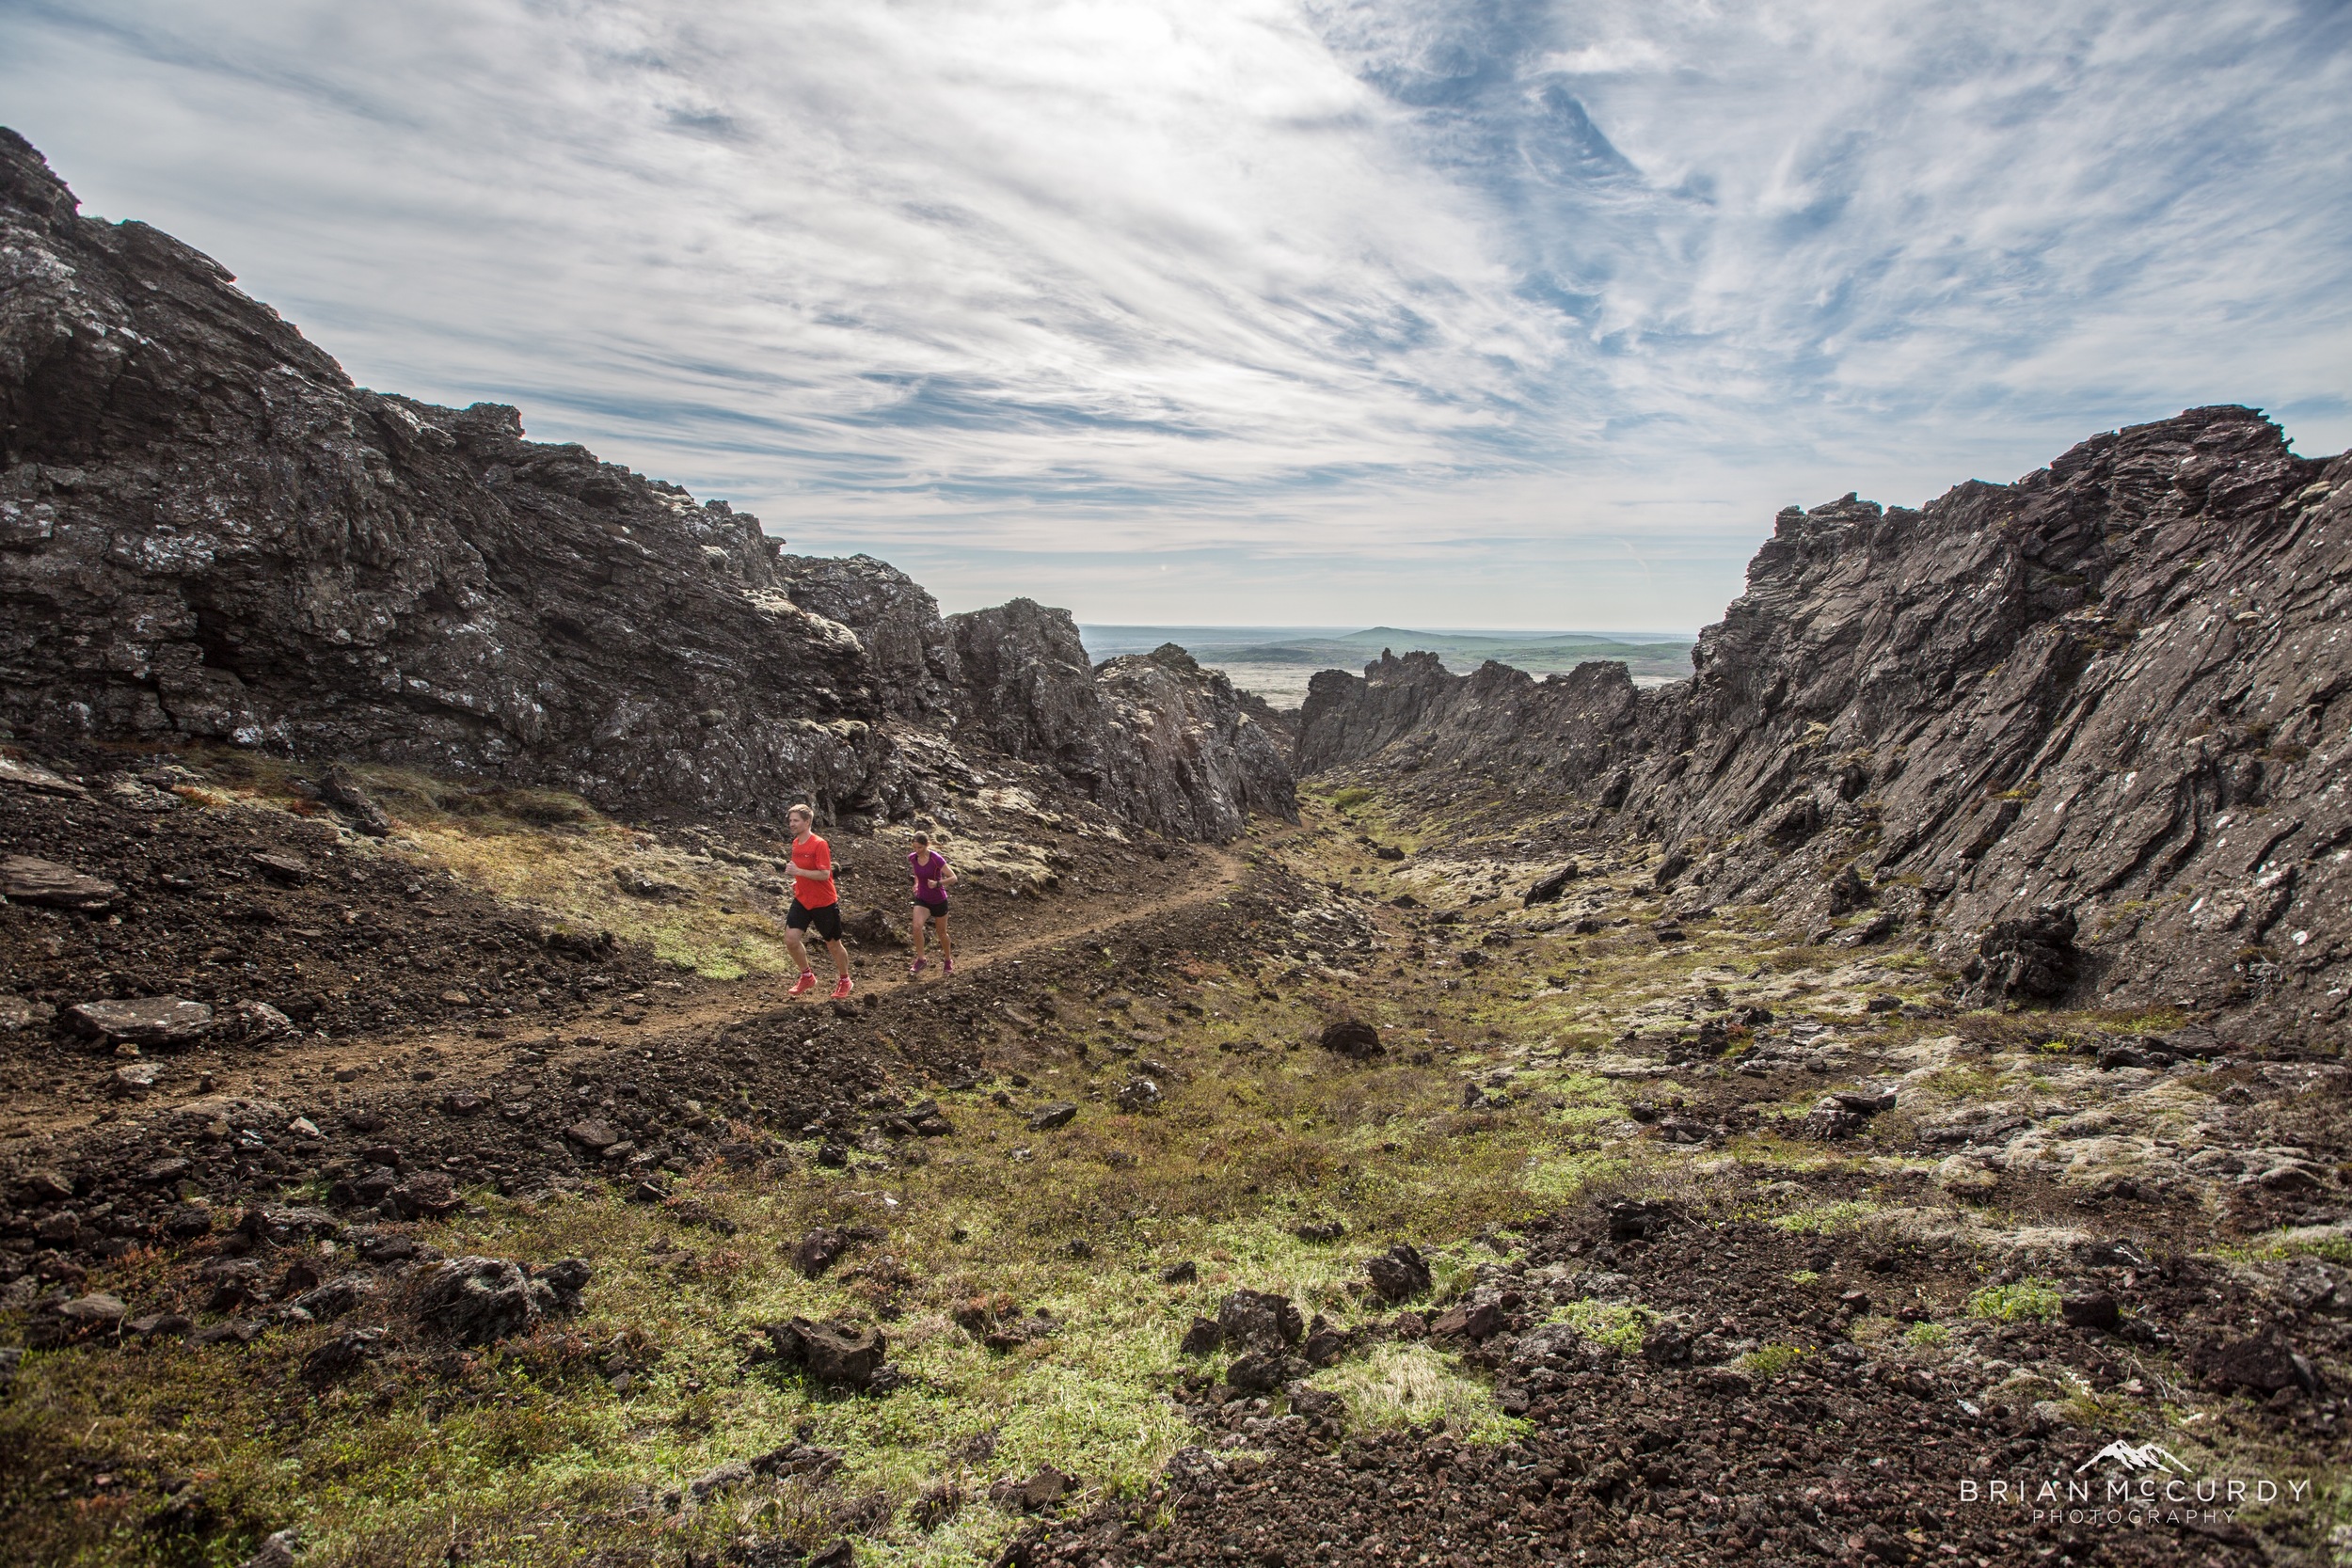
(1276, 661)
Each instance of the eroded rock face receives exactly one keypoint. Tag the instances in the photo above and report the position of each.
(210, 531)
(1188, 757)
(910, 656)
(2114, 690)
(1153, 737)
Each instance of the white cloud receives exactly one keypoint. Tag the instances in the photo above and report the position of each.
(1398, 308)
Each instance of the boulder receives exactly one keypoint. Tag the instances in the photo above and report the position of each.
(277, 1551)
(24, 879)
(1399, 1273)
(592, 1136)
(1204, 1338)
(2032, 957)
(1351, 1038)
(153, 1022)
(838, 1354)
(2261, 1365)
(1262, 1371)
(1466, 1321)
(283, 869)
(1547, 889)
(342, 1356)
(134, 1079)
(343, 789)
(482, 1300)
(816, 1252)
(2094, 1310)
(1046, 1118)
(1259, 1321)
(1633, 1218)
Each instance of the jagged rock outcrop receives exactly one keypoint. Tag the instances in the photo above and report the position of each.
(2113, 690)
(1185, 749)
(910, 657)
(208, 533)
(1154, 736)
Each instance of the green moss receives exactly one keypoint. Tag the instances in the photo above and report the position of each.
(1619, 1324)
(1416, 1385)
(1771, 1360)
(2035, 1299)
(1825, 1218)
(1925, 1334)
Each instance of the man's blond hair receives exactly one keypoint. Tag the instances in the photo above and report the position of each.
(802, 810)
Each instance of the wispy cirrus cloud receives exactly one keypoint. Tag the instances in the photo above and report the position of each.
(1456, 311)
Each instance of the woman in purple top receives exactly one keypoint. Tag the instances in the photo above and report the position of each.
(932, 874)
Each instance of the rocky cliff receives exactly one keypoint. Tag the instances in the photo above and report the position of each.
(1173, 740)
(2112, 692)
(207, 531)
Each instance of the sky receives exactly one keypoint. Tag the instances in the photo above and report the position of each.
(1459, 312)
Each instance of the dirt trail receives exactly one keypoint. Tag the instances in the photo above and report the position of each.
(878, 977)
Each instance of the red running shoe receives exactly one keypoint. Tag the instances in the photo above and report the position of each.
(947, 966)
(916, 968)
(840, 988)
(807, 983)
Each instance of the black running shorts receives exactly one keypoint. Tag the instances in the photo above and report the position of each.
(826, 918)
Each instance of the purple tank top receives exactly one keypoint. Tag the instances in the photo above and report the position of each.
(930, 866)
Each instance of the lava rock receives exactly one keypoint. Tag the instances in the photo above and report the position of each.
(1633, 1218)
(2095, 1309)
(1260, 1371)
(1399, 1273)
(1260, 1320)
(838, 1354)
(2262, 1366)
(817, 1251)
(482, 1300)
(342, 1356)
(24, 879)
(153, 1022)
(592, 1136)
(2032, 957)
(1547, 890)
(1046, 1118)
(1351, 1038)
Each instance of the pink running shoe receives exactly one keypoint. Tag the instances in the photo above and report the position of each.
(947, 966)
(916, 968)
(841, 989)
(807, 983)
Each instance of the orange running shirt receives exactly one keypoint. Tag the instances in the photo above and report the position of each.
(813, 854)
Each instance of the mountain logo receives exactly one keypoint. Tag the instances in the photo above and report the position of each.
(2147, 1456)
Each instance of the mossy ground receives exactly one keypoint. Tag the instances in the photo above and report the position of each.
(573, 1444)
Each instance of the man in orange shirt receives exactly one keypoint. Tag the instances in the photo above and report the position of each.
(814, 903)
